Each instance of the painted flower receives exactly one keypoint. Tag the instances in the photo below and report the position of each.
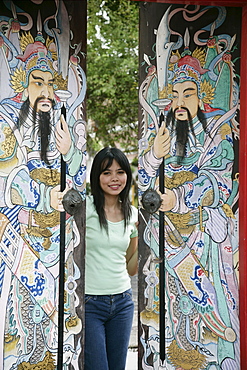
(70, 285)
(227, 57)
(15, 25)
(152, 279)
(143, 144)
(211, 42)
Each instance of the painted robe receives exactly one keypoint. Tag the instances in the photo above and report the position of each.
(32, 239)
(201, 291)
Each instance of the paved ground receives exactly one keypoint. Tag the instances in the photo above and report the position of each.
(132, 359)
(133, 336)
(133, 354)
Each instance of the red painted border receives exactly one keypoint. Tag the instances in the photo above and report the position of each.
(240, 3)
(243, 195)
(202, 2)
(242, 167)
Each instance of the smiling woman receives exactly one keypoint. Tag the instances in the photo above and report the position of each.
(113, 180)
(111, 256)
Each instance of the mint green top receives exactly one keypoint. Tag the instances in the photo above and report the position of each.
(105, 263)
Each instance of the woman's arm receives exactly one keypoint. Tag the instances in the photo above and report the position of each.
(132, 256)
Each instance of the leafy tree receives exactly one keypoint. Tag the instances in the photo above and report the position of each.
(112, 74)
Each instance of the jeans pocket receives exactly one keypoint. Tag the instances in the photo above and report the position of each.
(128, 294)
(87, 298)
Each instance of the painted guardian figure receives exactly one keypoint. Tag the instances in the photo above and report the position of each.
(34, 136)
(191, 129)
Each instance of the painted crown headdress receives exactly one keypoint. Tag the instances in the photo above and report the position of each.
(189, 68)
(36, 56)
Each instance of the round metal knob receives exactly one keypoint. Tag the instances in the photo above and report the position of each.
(72, 201)
(151, 201)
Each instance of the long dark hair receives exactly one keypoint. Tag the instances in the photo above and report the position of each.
(101, 162)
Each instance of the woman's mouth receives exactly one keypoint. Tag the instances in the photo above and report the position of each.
(114, 187)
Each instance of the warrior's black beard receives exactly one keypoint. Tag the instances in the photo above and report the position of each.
(182, 130)
(44, 123)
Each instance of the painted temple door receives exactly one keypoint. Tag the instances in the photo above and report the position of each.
(191, 238)
(42, 155)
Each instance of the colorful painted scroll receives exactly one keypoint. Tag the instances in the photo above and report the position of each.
(42, 62)
(189, 118)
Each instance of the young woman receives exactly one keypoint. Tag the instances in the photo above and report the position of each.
(111, 256)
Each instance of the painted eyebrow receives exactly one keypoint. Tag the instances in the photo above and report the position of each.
(188, 89)
(40, 78)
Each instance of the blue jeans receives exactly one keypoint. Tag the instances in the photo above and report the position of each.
(108, 321)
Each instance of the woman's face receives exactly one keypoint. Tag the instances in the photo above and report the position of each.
(113, 179)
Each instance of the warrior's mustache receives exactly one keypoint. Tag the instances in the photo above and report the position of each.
(42, 98)
(182, 108)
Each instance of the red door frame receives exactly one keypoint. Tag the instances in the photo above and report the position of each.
(242, 167)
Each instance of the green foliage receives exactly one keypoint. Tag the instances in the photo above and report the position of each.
(112, 74)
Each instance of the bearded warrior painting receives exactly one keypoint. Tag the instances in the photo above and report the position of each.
(189, 98)
(42, 122)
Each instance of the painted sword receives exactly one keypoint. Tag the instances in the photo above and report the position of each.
(163, 50)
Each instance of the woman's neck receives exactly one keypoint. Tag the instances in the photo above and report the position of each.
(113, 209)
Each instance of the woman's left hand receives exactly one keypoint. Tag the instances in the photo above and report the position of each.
(132, 256)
